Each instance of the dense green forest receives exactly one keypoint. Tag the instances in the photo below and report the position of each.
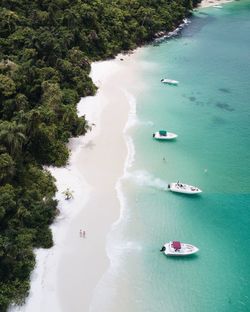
(46, 48)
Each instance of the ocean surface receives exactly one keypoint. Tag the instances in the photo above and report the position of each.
(210, 111)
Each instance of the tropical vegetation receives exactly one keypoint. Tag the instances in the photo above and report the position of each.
(46, 48)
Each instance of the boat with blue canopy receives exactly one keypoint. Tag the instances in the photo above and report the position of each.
(164, 135)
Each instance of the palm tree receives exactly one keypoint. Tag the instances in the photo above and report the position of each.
(12, 135)
(7, 167)
(82, 126)
(34, 119)
(69, 114)
(68, 194)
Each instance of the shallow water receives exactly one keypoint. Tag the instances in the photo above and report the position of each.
(210, 111)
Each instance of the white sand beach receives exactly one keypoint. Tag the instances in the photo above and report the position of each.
(210, 3)
(66, 275)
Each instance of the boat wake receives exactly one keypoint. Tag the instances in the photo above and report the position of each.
(120, 247)
(144, 178)
(148, 123)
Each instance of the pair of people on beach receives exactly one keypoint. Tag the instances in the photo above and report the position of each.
(82, 233)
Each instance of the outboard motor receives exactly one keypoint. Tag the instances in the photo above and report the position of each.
(168, 185)
(153, 135)
(163, 249)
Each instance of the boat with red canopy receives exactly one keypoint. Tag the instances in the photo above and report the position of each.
(176, 248)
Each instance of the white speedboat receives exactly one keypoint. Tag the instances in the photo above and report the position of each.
(184, 188)
(170, 81)
(175, 248)
(164, 135)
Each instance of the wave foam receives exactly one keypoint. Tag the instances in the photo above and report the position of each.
(132, 118)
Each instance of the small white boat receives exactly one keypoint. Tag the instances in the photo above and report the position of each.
(175, 248)
(184, 188)
(170, 81)
(217, 6)
(164, 135)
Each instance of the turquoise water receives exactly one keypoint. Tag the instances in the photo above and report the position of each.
(210, 111)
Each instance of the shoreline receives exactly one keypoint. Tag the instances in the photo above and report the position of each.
(96, 165)
(47, 285)
(211, 3)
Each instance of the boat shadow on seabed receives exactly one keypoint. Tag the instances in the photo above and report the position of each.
(188, 258)
(196, 197)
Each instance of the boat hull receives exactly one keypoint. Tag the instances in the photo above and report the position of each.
(184, 188)
(186, 250)
(170, 82)
(169, 136)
